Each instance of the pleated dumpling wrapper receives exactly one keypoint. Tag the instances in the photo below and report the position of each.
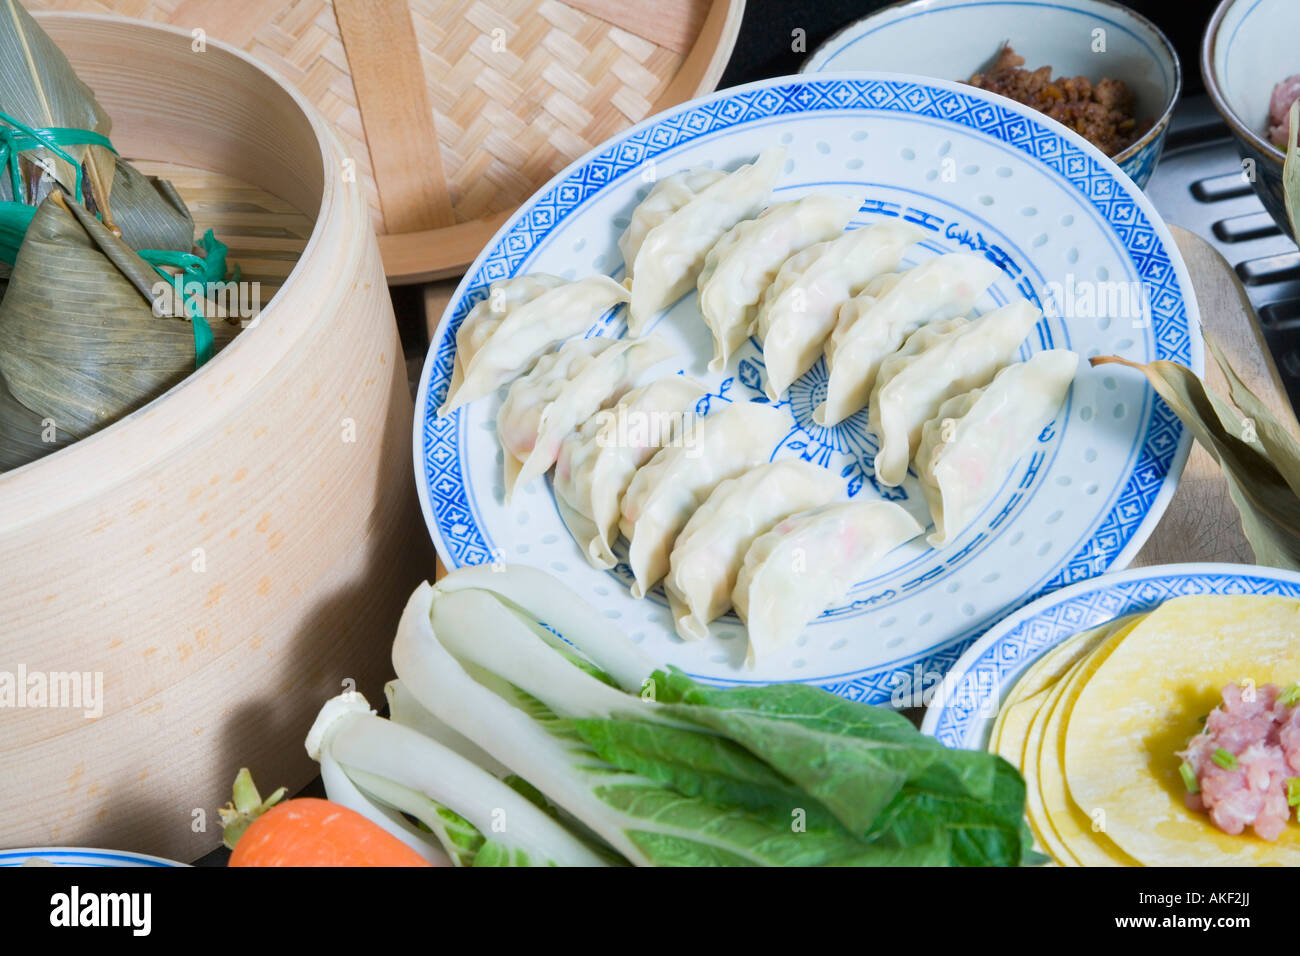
(562, 391)
(674, 483)
(673, 228)
(799, 310)
(79, 342)
(1148, 698)
(808, 562)
(597, 462)
(520, 321)
(708, 554)
(936, 364)
(743, 263)
(871, 327)
(974, 439)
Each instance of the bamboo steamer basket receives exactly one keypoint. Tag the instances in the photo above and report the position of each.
(456, 111)
(240, 549)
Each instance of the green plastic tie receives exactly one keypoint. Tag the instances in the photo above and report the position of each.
(206, 270)
(17, 137)
(15, 217)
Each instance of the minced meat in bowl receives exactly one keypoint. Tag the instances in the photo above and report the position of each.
(1103, 112)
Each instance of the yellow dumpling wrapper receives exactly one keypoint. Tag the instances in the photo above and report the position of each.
(1074, 828)
(1046, 671)
(1035, 808)
(1146, 700)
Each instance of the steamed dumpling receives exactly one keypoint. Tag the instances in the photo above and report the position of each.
(867, 333)
(563, 390)
(674, 227)
(743, 263)
(973, 441)
(520, 320)
(708, 553)
(809, 562)
(937, 362)
(597, 462)
(666, 492)
(798, 311)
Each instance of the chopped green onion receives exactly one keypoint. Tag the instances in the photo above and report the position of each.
(1189, 778)
(1293, 792)
(1225, 759)
(1290, 695)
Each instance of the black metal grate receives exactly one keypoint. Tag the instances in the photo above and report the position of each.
(1199, 185)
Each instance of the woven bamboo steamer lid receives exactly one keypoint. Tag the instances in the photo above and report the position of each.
(456, 111)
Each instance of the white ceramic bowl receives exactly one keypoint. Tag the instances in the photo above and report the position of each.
(951, 39)
(1246, 51)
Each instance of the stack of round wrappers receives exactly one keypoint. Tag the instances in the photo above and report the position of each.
(1096, 724)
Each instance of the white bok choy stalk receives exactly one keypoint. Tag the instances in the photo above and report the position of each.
(404, 709)
(681, 794)
(340, 788)
(538, 598)
(489, 823)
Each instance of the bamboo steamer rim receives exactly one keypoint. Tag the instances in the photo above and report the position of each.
(147, 436)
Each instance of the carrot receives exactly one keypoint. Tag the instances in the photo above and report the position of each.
(305, 832)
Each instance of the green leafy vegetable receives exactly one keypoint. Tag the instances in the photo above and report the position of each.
(1290, 695)
(683, 774)
(1189, 777)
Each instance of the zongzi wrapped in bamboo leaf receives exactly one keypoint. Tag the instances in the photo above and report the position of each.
(38, 87)
(79, 341)
(41, 94)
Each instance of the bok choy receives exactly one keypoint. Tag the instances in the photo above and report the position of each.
(510, 685)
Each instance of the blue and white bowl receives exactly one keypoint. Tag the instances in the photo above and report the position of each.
(1248, 49)
(952, 39)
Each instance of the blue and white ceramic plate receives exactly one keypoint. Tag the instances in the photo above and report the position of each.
(80, 856)
(980, 174)
(966, 702)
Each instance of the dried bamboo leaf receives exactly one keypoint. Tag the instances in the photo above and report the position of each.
(149, 212)
(1275, 440)
(22, 432)
(79, 342)
(1269, 508)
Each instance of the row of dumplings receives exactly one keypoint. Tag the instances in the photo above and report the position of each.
(791, 276)
(701, 506)
(706, 513)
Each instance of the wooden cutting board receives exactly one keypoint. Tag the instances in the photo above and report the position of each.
(1200, 524)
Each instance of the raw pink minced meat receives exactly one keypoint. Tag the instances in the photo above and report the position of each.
(1258, 737)
(1279, 109)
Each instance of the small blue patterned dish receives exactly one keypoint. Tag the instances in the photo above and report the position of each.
(965, 704)
(79, 856)
(952, 39)
(981, 174)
